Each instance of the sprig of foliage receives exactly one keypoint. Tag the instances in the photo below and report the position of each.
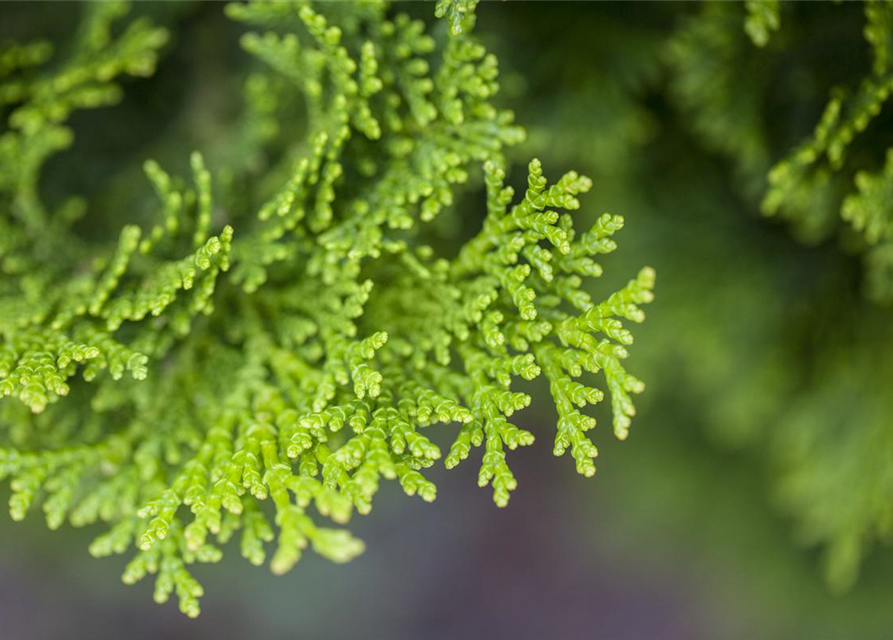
(813, 185)
(293, 364)
(810, 186)
(459, 14)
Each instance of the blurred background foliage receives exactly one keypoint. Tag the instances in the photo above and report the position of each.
(755, 494)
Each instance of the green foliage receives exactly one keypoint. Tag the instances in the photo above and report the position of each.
(247, 382)
(776, 351)
(459, 14)
(868, 211)
(762, 19)
(820, 420)
(716, 79)
(728, 88)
